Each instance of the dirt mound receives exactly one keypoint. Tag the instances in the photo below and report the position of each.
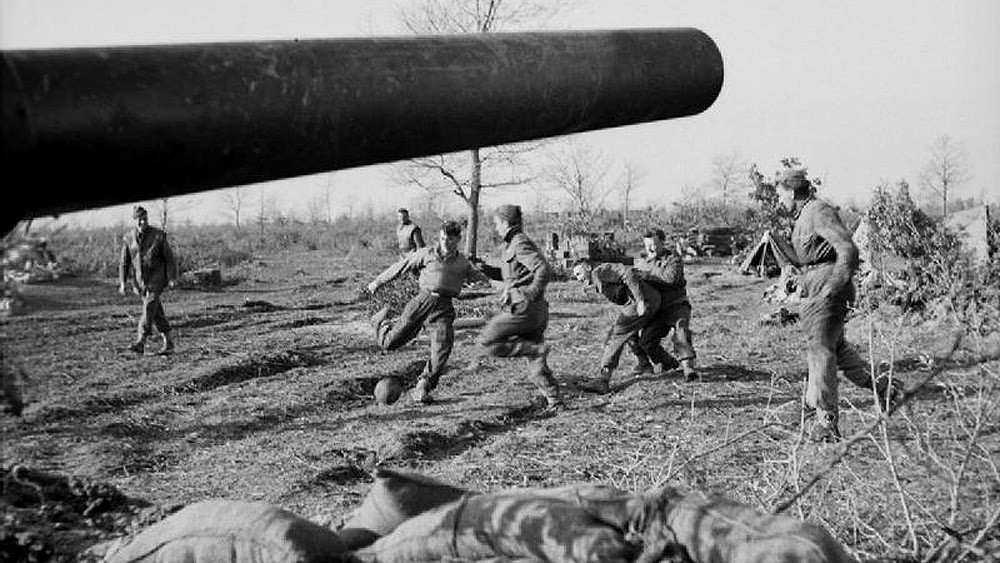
(48, 517)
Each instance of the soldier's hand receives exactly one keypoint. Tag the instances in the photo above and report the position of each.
(172, 283)
(121, 288)
(372, 288)
(640, 307)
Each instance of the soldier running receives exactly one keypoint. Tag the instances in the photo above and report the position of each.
(519, 328)
(408, 235)
(828, 258)
(442, 270)
(663, 269)
(145, 251)
(639, 304)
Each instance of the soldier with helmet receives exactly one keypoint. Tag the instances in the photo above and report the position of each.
(146, 252)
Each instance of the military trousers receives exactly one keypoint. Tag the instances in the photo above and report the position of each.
(672, 317)
(430, 310)
(519, 330)
(827, 350)
(630, 325)
(152, 315)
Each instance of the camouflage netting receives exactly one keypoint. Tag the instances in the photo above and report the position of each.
(410, 518)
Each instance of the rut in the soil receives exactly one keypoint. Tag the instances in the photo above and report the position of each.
(212, 375)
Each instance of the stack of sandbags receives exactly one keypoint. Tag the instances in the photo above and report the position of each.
(409, 518)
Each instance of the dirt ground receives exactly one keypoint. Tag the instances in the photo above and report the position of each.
(268, 398)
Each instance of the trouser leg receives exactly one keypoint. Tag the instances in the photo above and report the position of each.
(440, 324)
(392, 335)
(152, 313)
(520, 331)
(823, 324)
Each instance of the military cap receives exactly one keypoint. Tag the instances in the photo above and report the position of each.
(509, 213)
(403, 210)
(791, 178)
(139, 211)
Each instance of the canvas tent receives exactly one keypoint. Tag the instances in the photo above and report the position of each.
(973, 228)
(769, 256)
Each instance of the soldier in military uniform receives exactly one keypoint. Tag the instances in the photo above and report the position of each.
(147, 253)
(408, 235)
(639, 304)
(519, 328)
(441, 271)
(828, 259)
(663, 269)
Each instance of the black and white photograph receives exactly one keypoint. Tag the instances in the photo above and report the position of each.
(400, 281)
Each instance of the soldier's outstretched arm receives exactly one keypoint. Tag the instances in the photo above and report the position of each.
(493, 273)
(168, 257)
(828, 225)
(413, 261)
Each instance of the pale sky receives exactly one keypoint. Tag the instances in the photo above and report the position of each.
(857, 90)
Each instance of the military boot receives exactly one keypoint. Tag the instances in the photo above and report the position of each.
(889, 393)
(825, 428)
(688, 367)
(600, 384)
(642, 366)
(168, 345)
(378, 321)
(421, 392)
(139, 346)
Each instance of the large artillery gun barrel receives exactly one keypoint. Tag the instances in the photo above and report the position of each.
(86, 127)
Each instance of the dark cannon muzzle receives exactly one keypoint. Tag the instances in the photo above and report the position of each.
(88, 127)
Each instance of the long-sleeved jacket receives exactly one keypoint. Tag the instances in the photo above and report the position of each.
(665, 272)
(438, 273)
(150, 257)
(409, 237)
(824, 246)
(618, 282)
(524, 267)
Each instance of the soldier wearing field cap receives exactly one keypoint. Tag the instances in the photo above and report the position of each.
(663, 269)
(519, 328)
(409, 238)
(147, 253)
(828, 259)
(441, 271)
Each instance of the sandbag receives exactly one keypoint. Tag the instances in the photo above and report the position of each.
(394, 498)
(223, 531)
(503, 526)
(712, 529)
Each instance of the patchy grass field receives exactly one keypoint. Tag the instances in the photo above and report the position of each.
(272, 402)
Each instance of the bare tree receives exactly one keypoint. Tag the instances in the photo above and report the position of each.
(945, 172)
(631, 177)
(166, 207)
(729, 176)
(233, 199)
(264, 207)
(579, 171)
(467, 175)
(317, 209)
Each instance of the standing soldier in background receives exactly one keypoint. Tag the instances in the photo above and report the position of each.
(639, 304)
(663, 269)
(519, 328)
(145, 251)
(441, 271)
(408, 235)
(828, 259)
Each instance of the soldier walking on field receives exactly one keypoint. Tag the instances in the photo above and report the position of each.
(663, 269)
(828, 259)
(408, 235)
(441, 271)
(146, 252)
(519, 328)
(639, 304)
